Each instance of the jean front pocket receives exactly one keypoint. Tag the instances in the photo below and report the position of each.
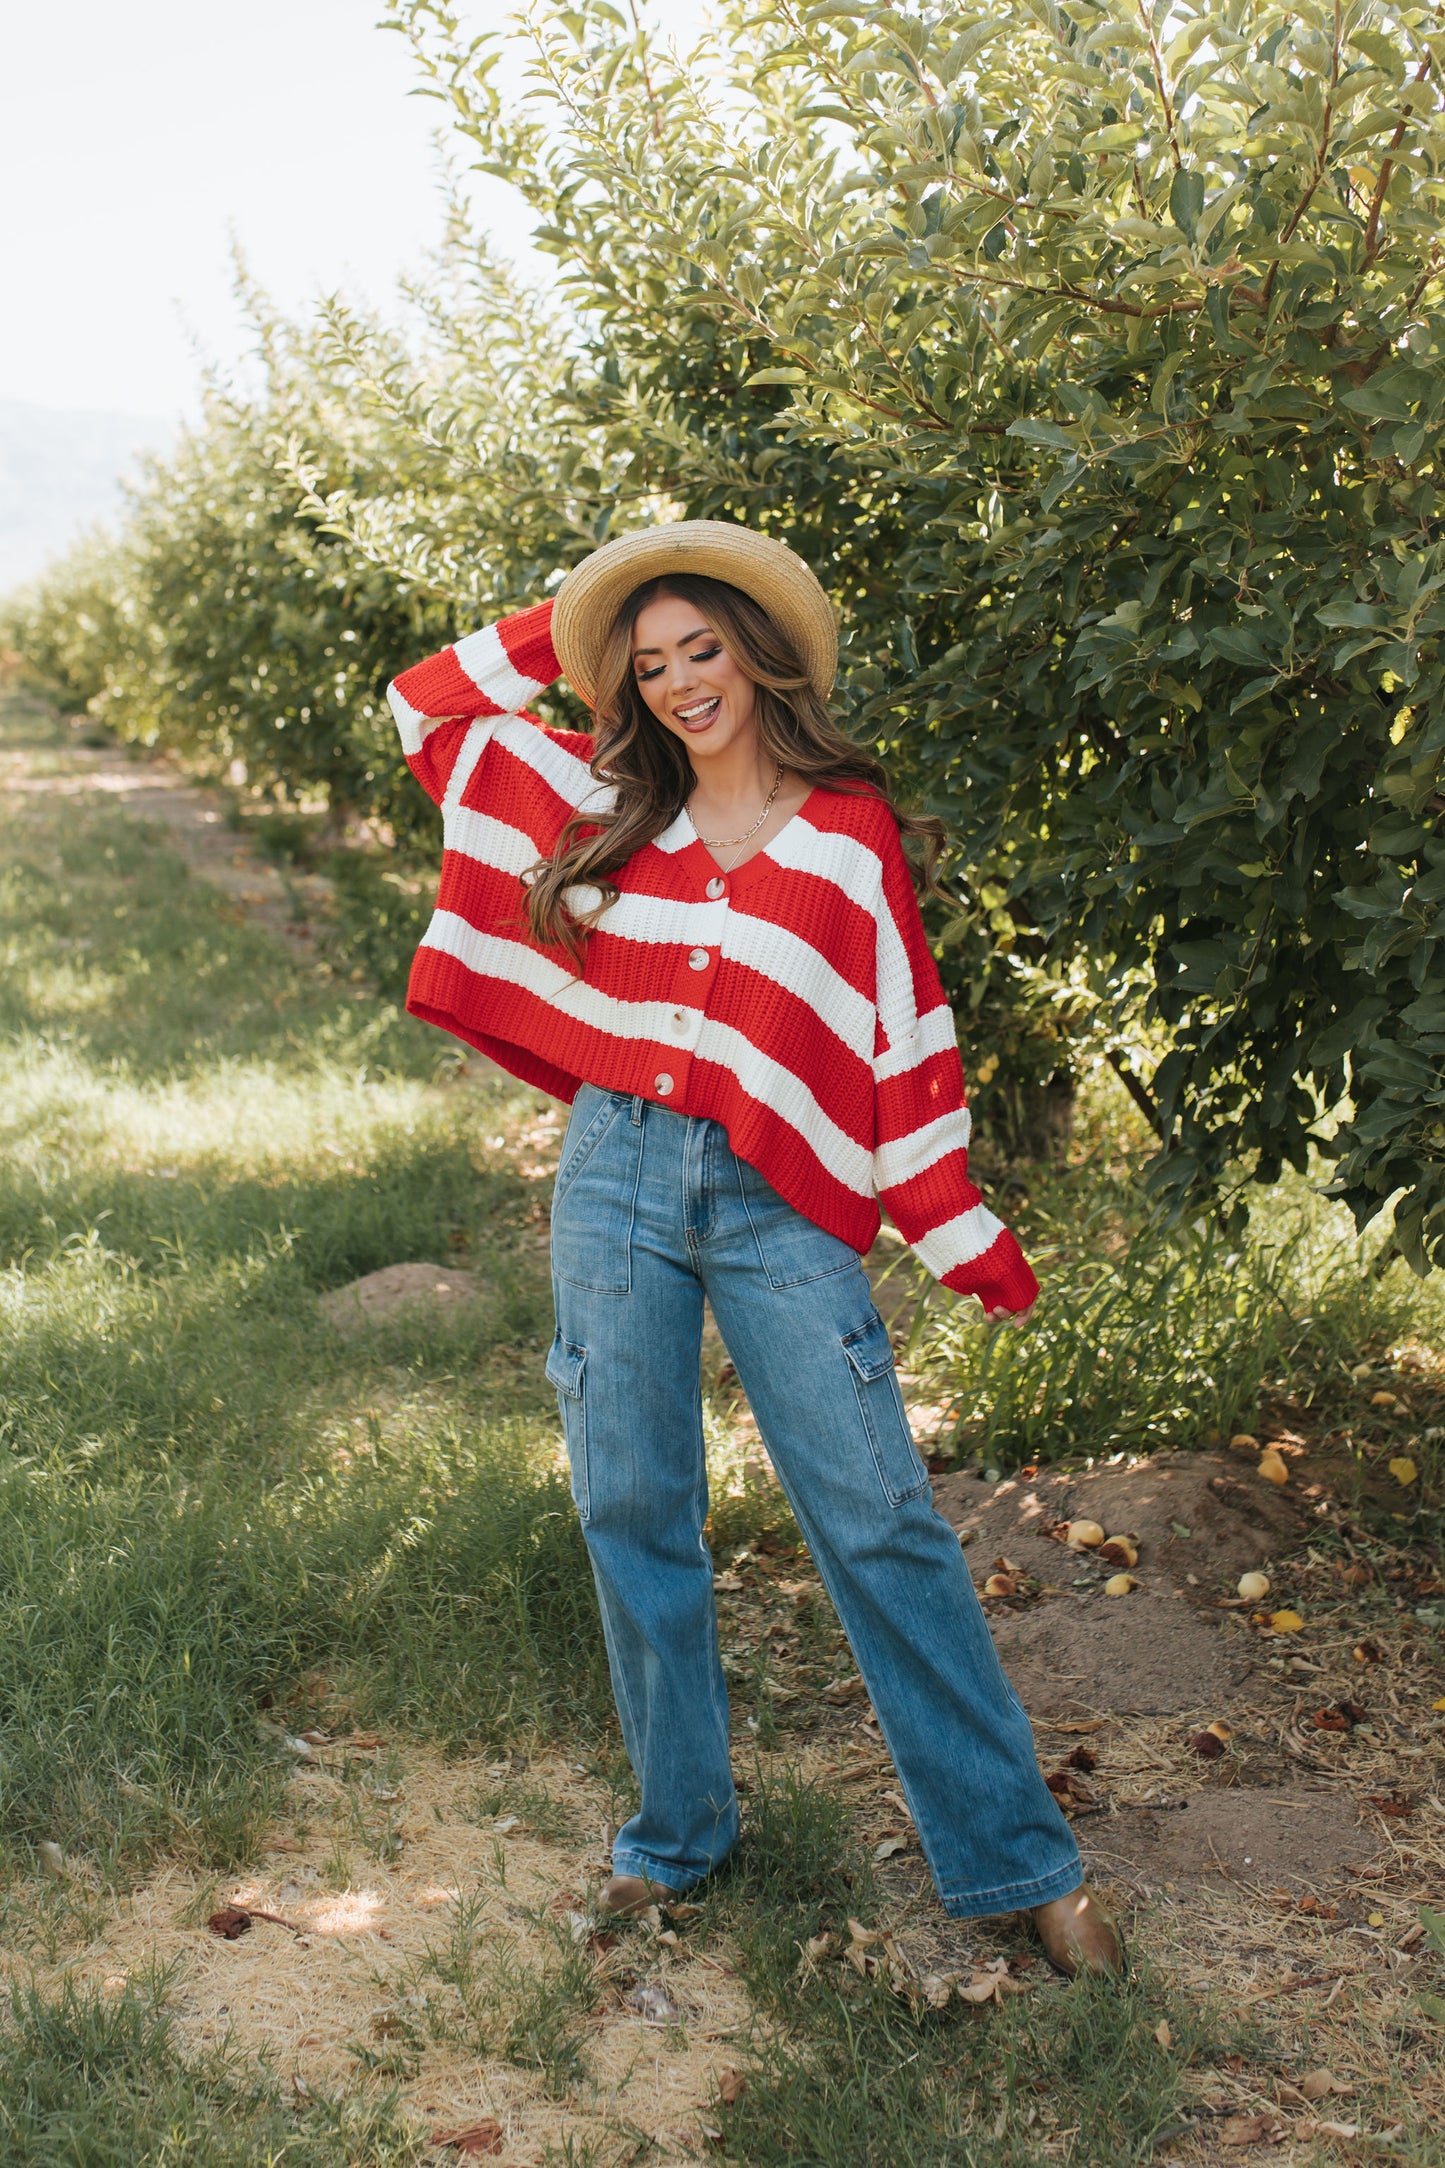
(791, 1249)
(875, 1381)
(567, 1369)
(596, 1196)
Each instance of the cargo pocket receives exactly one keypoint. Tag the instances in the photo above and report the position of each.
(880, 1403)
(565, 1367)
(595, 1199)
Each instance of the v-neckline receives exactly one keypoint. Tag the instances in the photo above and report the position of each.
(740, 872)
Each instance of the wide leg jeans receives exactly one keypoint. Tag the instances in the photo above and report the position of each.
(652, 1212)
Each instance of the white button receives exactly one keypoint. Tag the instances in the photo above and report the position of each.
(662, 1084)
(699, 959)
(717, 886)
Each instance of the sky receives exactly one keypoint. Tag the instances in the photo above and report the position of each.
(140, 139)
(137, 139)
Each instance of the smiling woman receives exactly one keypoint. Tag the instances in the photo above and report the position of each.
(756, 1048)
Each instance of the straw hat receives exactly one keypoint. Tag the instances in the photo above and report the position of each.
(775, 576)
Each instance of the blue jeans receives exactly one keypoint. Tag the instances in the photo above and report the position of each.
(653, 1211)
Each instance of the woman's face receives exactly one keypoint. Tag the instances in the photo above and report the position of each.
(688, 678)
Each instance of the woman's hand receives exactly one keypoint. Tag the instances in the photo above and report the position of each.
(1010, 1317)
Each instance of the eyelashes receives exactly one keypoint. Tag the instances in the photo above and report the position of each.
(707, 654)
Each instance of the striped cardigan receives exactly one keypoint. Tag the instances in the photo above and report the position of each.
(793, 1000)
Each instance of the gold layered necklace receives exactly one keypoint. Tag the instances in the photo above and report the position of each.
(728, 843)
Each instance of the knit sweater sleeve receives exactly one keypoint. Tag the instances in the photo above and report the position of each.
(922, 1122)
(490, 673)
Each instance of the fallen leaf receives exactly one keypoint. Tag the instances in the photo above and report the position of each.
(508, 1822)
(1338, 2130)
(1340, 1716)
(1403, 1469)
(1396, 1804)
(988, 1987)
(844, 1689)
(1318, 2084)
(731, 2085)
(936, 1989)
(729, 1583)
(1252, 2130)
(483, 2137)
(1069, 1790)
(862, 1937)
(816, 1947)
(889, 1847)
(1162, 2033)
(231, 1922)
(1286, 1622)
(1439, 1706)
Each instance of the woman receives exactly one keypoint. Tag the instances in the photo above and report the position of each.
(700, 928)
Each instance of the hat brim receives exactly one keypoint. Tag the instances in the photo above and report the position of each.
(773, 575)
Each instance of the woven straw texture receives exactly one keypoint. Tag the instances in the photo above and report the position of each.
(594, 591)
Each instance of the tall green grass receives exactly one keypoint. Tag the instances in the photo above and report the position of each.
(1151, 1337)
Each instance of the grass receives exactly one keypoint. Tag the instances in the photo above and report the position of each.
(91, 2080)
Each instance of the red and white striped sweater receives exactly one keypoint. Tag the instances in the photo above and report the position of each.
(793, 1000)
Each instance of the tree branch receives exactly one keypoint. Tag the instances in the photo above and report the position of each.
(1387, 167)
(1138, 1091)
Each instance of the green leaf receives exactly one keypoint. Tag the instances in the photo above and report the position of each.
(1186, 201)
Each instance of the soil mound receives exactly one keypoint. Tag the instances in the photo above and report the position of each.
(1208, 1514)
(380, 1297)
(1199, 1520)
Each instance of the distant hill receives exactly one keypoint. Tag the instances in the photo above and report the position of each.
(59, 472)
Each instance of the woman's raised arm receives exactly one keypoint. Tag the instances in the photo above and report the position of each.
(492, 672)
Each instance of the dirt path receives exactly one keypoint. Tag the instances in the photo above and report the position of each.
(193, 816)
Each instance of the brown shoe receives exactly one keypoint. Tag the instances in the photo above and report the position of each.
(1078, 1934)
(625, 1895)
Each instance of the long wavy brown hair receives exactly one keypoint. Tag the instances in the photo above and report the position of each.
(652, 777)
